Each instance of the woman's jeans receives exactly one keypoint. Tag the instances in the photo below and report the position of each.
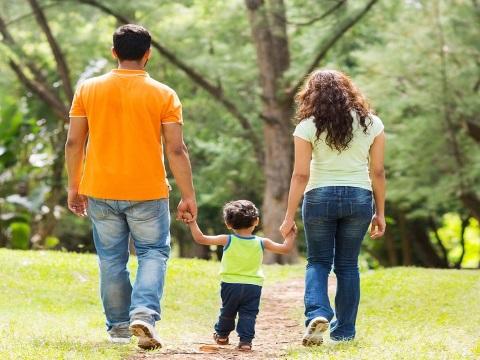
(336, 219)
(147, 223)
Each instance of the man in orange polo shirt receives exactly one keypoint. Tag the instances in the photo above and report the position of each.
(119, 180)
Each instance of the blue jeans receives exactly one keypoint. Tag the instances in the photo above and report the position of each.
(148, 225)
(243, 299)
(336, 219)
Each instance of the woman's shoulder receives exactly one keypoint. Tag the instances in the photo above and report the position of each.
(305, 129)
(377, 124)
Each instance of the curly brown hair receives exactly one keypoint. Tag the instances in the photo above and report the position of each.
(329, 96)
(240, 214)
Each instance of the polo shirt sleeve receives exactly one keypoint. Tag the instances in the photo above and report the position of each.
(78, 108)
(173, 110)
(304, 130)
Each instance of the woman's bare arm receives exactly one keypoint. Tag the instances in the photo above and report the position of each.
(300, 177)
(377, 174)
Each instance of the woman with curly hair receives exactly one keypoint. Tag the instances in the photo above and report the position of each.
(339, 152)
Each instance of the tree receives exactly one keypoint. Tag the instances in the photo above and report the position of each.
(33, 78)
(426, 90)
(269, 29)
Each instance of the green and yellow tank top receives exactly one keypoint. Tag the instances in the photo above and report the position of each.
(242, 260)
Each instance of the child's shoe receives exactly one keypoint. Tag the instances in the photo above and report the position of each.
(220, 340)
(314, 332)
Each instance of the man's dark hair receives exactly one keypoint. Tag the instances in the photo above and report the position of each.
(240, 214)
(131, 42)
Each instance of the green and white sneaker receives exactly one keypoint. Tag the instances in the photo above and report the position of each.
(314, 332)
(148, 338)
(120, 334)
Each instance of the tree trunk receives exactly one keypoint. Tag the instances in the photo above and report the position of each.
(407, 258)
(269, 36)
(465, 222)
(424, 248)
(278, 171)
(45, 226)
(391, 249)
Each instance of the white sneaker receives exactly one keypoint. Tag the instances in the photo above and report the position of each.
(120, 334)
(314, 332)
(147, 335)
(119, 340)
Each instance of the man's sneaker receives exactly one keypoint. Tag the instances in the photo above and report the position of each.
(120, 334)
(146, 333)
(314, 332)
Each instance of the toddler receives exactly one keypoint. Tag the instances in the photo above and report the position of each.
(241, 269)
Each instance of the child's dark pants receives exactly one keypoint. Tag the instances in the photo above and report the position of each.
(243, 299)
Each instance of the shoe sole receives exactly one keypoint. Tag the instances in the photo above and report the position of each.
(145, 337)
(120, 340)
(316, 327)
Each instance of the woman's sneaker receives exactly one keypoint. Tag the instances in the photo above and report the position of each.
(147, 335)
(314, 333)
(120, 334)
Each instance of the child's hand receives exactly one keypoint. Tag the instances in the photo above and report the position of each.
(292, 234)
(187, 218)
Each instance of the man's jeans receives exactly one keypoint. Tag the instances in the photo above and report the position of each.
(148, 225)
(336, 219)
(241, 299)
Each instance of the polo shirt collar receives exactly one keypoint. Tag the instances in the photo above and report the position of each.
(127, 72)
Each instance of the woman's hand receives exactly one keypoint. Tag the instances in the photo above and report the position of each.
(377, 228)
(287, 226)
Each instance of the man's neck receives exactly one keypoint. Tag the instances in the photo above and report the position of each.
(130, 65)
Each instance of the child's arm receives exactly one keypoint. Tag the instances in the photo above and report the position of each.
(284, 248)
(206, 239)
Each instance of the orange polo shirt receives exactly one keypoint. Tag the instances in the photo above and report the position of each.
(125, 110)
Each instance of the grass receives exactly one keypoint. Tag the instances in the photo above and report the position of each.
(412, 313)
(49, 309)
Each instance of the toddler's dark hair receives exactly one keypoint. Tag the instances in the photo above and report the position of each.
(240, 214)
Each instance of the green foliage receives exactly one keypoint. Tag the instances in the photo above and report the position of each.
(394, 54)
(19, 235)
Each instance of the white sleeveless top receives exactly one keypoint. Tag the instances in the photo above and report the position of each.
(348, 168)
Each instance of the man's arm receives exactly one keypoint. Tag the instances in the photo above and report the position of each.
(284, 248)
(179, 162)
(74, 156)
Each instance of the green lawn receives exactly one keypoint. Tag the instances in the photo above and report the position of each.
(412, 313)
(49, 309)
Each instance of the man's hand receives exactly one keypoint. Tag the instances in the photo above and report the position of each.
(187, 206)
(77, 203)
(377, 228)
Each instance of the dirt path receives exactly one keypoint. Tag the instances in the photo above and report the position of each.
(278, 327)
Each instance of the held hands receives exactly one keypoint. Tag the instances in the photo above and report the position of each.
(187, 210)
(377, 227)
(77, 203)
(292, 234)
(188, 218)
(287, 227)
